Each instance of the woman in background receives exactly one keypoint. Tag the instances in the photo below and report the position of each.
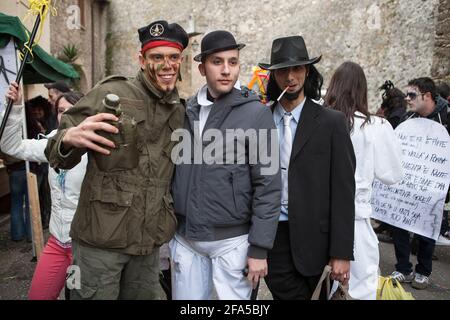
(377, 157)
(50, 274)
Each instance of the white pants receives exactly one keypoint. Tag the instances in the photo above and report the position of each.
(364, 270)
(200, 266)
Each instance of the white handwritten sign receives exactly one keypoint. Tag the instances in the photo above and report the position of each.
(416, 203)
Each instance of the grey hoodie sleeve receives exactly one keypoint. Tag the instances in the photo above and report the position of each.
(266, 183)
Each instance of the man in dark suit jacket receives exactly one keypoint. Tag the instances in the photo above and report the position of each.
(316, 224)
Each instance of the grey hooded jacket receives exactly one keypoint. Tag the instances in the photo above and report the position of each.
(223, 200)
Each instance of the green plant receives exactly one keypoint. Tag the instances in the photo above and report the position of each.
(70, 55)
(70, 52)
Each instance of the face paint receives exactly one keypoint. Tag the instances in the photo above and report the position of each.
(162, 67)
(159, 67)
(151, 70)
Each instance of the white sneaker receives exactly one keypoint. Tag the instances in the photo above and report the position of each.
(401, 277)
(442, 241)
(420, 282)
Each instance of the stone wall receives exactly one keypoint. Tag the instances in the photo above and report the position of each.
(392, 39)
(82, 23)
(441, 59)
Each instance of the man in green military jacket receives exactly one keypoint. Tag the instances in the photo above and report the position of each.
(125, 208)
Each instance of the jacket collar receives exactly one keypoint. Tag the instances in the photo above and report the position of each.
(221, 108)
(279, 111)
(202, 94)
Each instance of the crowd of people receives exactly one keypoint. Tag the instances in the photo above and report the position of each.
(121, 189)
(425, 100)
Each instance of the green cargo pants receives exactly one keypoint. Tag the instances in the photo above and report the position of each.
(107, 275)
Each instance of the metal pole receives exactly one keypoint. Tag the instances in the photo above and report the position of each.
(20, 73)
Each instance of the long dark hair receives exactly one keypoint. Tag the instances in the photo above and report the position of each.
(347, 92)
(312, 88)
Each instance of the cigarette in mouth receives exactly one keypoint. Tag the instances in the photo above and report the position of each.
(282, 94)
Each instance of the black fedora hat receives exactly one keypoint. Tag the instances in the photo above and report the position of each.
(288, 52)
(217, 41)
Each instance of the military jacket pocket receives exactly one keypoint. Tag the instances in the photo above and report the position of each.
(108, 227)
(167, 223)
(136, 110)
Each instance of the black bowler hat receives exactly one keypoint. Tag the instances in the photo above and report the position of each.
(160, 33)
(217, 41)
(288, 52)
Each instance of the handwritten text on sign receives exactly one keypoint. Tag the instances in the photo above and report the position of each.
(416, 203)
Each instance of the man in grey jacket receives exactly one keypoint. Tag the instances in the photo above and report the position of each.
(227, 200)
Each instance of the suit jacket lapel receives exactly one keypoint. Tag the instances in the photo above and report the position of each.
(308, 123)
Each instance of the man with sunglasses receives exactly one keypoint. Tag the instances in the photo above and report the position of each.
(423, 102)
(125, 208)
